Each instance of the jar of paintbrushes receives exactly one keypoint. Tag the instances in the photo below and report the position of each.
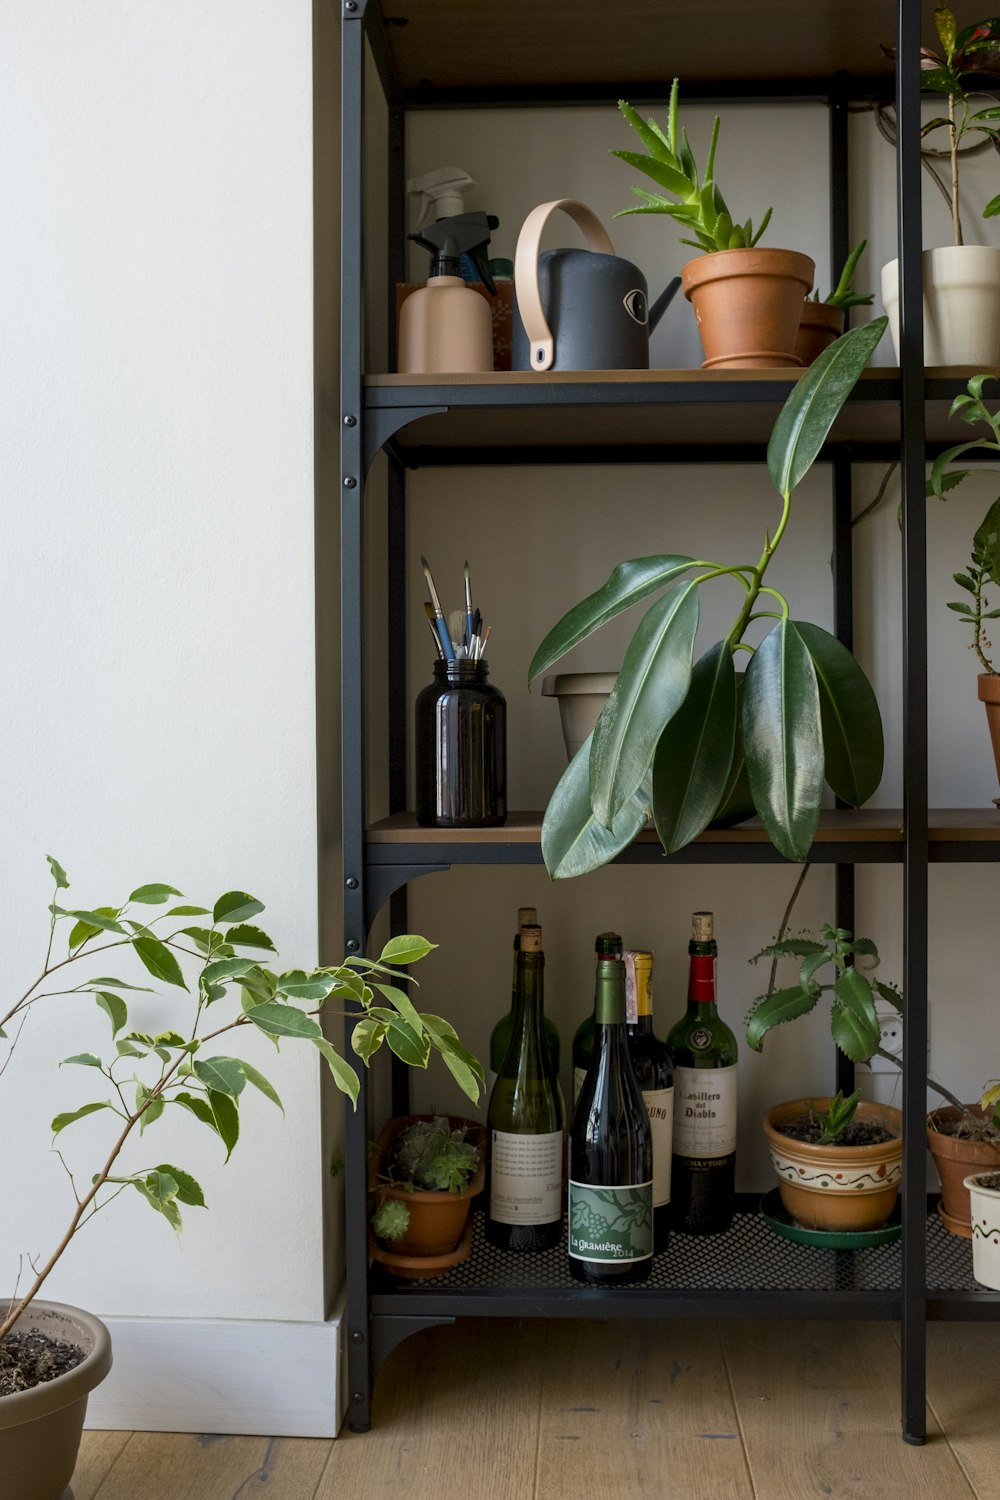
(461, 724)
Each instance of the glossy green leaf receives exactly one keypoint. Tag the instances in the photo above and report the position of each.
(854, 1021)
(188, 911)
(630, 582)
(58, 874)
(224, 1074)
(116, 984)
(245, 936)
(283, 1020)
(83, 1060)
(343, 1074)
(406, 949)
(367, 1036)
(650, 688)
(114, 1008)
(783, 739)
(464, 1067)
(159, 960)
(226, 968)
(775, 1009)
(264, 1085)
(317, 984)
(186, 1188)
(853, 746)
(160, 1192)
(573, 841)
(814, 403)
(407, 1042)
(941, 481)
(81, 932)
(736, 802)
(154, 895)
(403, 1004)
(61, 1121)
(694, 753)
(101, 919)
(151, 1113)
(235, 906)
(987, 541)
(197, 1106)
(226, 1115)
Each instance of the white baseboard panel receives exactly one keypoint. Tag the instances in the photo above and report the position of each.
(225, 1376)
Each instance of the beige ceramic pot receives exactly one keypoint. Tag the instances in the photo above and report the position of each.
(581, 697)
(961, 302)
(838, 1188)
(955, 1157)
(748, 304)
(819, 325)
(40, 1429)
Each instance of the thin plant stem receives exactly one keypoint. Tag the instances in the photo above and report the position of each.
(784, 924)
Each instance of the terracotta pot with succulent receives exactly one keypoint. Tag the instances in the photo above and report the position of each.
(961, 282)
(686, 737)
(822, 322)
(747, 301)
(52, 1356)
(983, 568)
(424, 1175)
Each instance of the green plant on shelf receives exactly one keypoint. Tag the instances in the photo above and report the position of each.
(843, 294)
(834, 1120)
(428, 1156)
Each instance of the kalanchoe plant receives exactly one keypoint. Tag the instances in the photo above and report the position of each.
(843, 294)
(835, 1120)
(695, 203)
(686, 736)
(145, 1077)
(973, 49)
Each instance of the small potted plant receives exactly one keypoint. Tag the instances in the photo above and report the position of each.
(425, 1173)
(963, 1138)
(984, 1194)
(823, 321)
(747, 301)
(961, 283)
(51, 1355)
(983, 568)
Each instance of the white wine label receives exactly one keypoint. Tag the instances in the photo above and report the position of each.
(526, 1178)
(704, 1111)
(579, 1074)
(611, 1224)
(660, 1108)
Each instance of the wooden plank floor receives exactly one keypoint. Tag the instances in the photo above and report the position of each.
(509, 1410)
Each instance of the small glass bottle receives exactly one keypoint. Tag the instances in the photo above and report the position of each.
(461, 748)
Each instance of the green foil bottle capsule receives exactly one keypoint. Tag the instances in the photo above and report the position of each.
(606, 945)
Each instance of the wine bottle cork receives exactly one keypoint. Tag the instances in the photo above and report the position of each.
(702, 923)
(531, 939)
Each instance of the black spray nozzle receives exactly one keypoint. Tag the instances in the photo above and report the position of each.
(461, 234)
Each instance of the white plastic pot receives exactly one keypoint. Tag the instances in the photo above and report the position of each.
(961, 305)
(581, 697)
(985, 1230)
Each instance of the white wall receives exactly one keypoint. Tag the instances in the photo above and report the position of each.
(156, 595)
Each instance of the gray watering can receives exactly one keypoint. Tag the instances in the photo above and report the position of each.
(580, 309)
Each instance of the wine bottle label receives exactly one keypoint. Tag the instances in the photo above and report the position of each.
(611, 1223)
(660, 1108)
(579, 1074)
(526, 1178)
(704, 1112)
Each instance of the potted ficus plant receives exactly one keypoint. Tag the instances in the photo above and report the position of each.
(424, 1175)
(685, 737)
(51, 1355)
(983, 568)
(821, 321)
(961, 283)
(747, 300)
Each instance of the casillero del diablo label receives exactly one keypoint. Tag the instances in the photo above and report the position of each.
(704, 1112)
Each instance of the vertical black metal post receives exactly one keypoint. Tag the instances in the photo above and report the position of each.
(352, 673)
(843, 628)
(911, 359)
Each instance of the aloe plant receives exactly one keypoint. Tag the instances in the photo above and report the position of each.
(694, 202)
(686, 735)
(843, 294)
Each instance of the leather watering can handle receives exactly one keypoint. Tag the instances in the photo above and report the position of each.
(529, 301)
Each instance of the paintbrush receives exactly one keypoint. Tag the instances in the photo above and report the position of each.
(469, 631)
(429, 612)
(447, 645)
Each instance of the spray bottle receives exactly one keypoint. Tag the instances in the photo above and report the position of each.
(445, 326)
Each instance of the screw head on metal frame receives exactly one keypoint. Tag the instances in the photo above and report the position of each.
(350, 421)
(349, 482)
(353, 945)
(351, 883)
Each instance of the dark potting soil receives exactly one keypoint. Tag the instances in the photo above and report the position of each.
(29, 1359)
(858, 1133)
(992, 1181)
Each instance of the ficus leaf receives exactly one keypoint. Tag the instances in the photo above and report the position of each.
(154, 895)
(235, 906)
(224, 1074)
(343, 1074)
(158, 959)
(283, 1020)
(114, 1008)
(61, 1121)
(186, 1188)
(58, 874)
(405, 950)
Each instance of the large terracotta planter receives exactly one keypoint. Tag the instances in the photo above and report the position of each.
(961, 305)
(840, 1188)
(989, 694)
(748, 304)
(819, 325)
(40, 1429)
(955, 1157)
(985, 1227)
(436, 1237)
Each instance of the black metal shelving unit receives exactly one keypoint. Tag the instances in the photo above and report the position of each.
(643, 417)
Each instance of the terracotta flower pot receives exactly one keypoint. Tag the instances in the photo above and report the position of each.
(989, 693)
(984, 1192)
(834, 1187)
(748, 304)
(436, 1230)
(819, 325)
(955, 1157)
(40, 1429)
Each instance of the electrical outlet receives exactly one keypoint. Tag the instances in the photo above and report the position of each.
(892, 1039)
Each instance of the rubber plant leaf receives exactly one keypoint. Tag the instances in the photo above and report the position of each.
(650, 688)
(783, 739)
(630, 582)
(814, 403)
(695, 751)
(573, 841)
(736, 802)
(853, 747)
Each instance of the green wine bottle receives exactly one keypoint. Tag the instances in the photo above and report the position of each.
(610, 1151)
(655, 1073)
(606, 945)
(527, 916)
(526, 1121)
(703, 1049)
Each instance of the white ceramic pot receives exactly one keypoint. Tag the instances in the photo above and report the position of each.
(961, 305)
(985, 1230)
(581, 697)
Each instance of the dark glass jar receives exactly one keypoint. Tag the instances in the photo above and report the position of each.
(461, 748)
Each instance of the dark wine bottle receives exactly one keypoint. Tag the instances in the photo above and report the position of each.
(527, 916)
(655, 1075)
(606, 945)
(703, 1049)
(610, 1151)
(526, 1121)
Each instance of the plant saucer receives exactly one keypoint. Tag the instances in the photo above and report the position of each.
(777, 1217)
(419, 1267)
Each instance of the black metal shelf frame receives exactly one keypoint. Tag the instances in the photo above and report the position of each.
(376, 1319)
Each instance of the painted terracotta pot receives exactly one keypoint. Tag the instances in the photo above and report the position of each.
(832, 1187)
(984, 1192)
